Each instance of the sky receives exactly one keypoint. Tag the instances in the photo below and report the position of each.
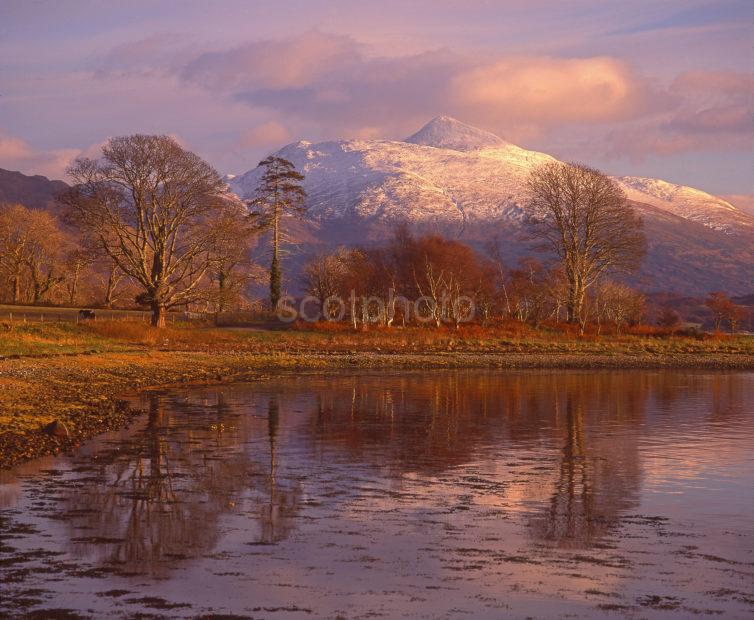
(655, 88)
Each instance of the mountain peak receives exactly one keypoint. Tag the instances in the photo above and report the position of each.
(445, 132)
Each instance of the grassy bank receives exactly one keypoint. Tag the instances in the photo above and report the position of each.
(76, 374)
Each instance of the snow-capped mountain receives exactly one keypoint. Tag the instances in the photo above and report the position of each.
(444, 132)
(686, 202)
(470, 184)
(480, 178)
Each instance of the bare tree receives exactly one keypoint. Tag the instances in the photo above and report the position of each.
(76, 261)
(148, 203)
(619, 304)
(15, 239)
(719, 304)
(30, 242)
(431, 285)
(723, 309)
(232, 267)
(324, 276)
(111, 277)
(584, 219)
(736, 314)
(669, 319)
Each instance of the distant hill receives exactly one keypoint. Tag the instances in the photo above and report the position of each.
(36, 192)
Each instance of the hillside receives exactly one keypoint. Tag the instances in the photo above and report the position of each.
(35, 191)
(469, 184)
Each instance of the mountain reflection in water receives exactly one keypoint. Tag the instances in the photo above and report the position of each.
(519, 463)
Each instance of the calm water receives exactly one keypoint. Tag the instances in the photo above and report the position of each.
(461, 494)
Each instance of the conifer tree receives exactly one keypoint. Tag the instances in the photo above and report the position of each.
(279, 194)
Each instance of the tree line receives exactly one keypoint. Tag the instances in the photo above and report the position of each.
(150, 223)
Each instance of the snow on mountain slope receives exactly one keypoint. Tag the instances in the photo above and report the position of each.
(686, 202)
(404, 181)
(444, 132)
(453, 173)
(468, 184)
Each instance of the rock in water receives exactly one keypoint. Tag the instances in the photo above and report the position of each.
(56, 428)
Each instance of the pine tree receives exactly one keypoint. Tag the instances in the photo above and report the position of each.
(279, 193)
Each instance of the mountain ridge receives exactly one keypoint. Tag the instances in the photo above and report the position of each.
(457, 180)
(359, 190)
(35, 191)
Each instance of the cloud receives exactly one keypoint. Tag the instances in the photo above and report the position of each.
(327, 85)
(17, 154)
(13, 148)
(729, 11)
(712, 83)
(333, 81)
(551, 90)
(274, 64)
(156, 55)
(269, 134)
(711, 111)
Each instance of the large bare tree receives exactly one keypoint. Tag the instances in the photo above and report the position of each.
(148, 204)
(584, 219)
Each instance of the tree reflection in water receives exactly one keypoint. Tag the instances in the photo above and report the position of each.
(161, 495)
(597, 481)
(423, 425)
(561, 448)
(276, 517)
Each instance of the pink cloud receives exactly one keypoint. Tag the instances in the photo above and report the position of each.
(155, 55)
(333, 81)
(711, 111)
(17, 154)
(328, 85)
(275, 64)
(269, 134)
(13, 148)
(549, 90)
(715, 82)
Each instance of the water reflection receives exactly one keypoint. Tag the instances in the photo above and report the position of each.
(282, 503)
(161, 494)
(598, 480)
(425, 426)
(547, 462)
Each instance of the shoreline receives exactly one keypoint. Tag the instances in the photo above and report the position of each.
(87, 397)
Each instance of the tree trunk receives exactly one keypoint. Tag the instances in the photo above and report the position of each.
(575, 304)
(221, 278)
(354, 318)
(275, 275)
(158, 315)
(73, 289)
(16, 288)
(109, 290)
